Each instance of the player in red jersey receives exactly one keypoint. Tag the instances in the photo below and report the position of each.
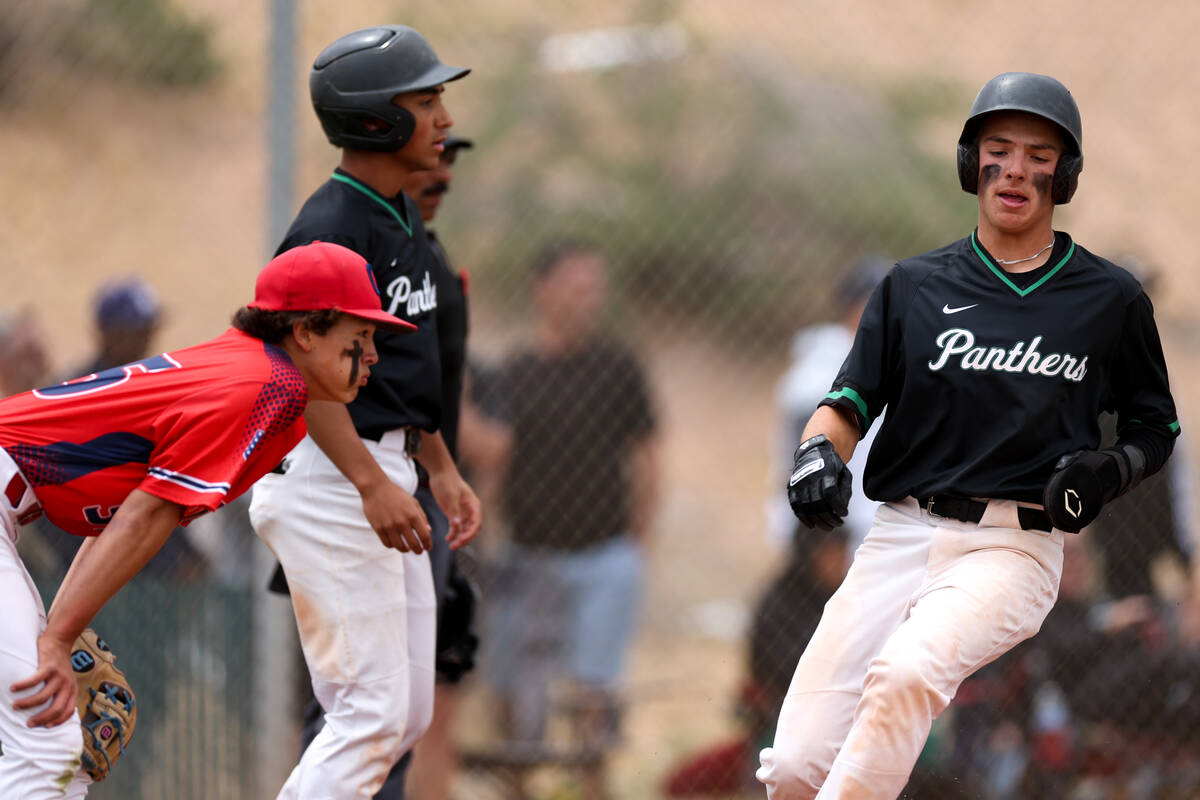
(134, 451)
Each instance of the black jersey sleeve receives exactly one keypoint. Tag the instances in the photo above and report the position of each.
(873, 369)
(1140, 389)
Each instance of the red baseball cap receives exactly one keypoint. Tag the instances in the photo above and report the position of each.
(323, 275)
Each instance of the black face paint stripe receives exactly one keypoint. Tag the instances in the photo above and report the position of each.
(1041, 182)
(355, 353)
(989, 174)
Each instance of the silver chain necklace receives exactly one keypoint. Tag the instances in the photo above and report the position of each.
(1031, 258)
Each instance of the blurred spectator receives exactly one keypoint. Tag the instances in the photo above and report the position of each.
(790, 608)
(1097, 705)
(126, 315)
(817, 353)
(581, 479)
(1138, 532)
(24, 366)
(1153, 524)
(23, 362)
(434, 758)
(784, 620)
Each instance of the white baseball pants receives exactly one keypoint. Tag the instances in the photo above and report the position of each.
(366, 614)
(38, 763)
(927, 601)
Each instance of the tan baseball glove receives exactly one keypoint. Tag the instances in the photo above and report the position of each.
(107, 707)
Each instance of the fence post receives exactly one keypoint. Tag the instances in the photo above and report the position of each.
(274, 631)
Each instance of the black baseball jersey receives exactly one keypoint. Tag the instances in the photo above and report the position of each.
(405, 386)
(989, 377)
(452, 337)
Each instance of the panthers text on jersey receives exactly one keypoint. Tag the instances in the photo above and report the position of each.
(988, 377)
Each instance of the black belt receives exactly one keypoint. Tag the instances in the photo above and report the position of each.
(412, 446)
(965, 509)
(412, 437)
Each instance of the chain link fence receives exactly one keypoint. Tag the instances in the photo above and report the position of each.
(726, 167)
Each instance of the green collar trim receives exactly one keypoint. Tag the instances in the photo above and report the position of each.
(999, 273)
(374, 195)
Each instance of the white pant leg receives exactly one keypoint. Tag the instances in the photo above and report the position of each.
(867, 608)
(366, 616)
(987, 589)
(38, 763)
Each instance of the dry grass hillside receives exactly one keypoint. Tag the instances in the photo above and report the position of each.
(105, 177)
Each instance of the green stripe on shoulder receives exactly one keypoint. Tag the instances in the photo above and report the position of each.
(853, 397)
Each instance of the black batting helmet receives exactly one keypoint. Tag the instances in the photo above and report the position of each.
(1035, 94)
(356, 77)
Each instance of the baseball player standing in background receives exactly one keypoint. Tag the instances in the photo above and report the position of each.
(993, 357)
(366, 612)
(133, 451)
(435, 754)
(455, 595)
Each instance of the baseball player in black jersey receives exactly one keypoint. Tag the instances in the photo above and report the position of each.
(435, 755)
(366, 612)
(456, 641)
(990, 360)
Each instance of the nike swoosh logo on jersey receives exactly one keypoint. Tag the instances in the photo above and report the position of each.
(946, 309)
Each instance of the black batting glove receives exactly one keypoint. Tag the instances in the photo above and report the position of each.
(819, 487)
(1082, 483)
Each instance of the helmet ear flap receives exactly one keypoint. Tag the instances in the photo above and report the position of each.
(968, 167)
(403, 130)
(400, 126)
(347, 127)
(1066, 178)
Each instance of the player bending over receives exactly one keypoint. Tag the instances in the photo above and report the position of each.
(134, 451)
(994, 357)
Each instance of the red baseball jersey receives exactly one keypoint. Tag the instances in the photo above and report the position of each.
(196, 427)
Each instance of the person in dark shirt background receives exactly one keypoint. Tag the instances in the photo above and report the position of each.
(579, 488)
